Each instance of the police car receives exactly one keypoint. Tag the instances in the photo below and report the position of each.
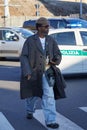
(72, 43)
(73, 46)
(58, 23)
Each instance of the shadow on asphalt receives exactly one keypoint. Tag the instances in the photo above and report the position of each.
(9, 59)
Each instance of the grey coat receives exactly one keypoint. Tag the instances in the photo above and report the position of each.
(33, 62)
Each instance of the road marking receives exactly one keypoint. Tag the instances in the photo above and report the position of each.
(12, 85)
(65, 124)
(83, 108)
(4, 124)
(3, 67)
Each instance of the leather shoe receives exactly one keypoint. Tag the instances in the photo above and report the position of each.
(53, 125)
(29, 116)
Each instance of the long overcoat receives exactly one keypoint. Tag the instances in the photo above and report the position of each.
(33, 63)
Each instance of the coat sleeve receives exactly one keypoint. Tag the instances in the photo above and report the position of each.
(24, 59)
(56, 52)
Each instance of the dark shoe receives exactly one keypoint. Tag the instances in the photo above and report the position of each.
(29, 116)
(53, 125)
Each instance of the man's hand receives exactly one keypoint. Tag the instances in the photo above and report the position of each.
(28, 77)
(52, 62)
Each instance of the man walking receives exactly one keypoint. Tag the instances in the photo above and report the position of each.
(39, 52)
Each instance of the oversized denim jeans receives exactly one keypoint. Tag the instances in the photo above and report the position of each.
(48, 102)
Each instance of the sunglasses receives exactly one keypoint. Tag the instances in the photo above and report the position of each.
(46, 26)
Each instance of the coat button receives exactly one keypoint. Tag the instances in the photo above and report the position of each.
(40, 56)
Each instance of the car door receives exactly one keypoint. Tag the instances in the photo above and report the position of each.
(10, 43)
(83, 34)
(70, 49)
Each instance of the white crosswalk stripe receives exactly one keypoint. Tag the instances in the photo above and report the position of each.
(83, 108)
(65, 124)
(4, 124)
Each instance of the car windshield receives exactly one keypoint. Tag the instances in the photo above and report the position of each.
(23, 32)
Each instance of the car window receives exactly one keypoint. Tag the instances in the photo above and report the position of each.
(53, 23)
(61, 24)
(65, 38)
(23, 32)
(9, 36)
(84, 37)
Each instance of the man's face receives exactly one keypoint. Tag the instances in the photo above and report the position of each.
(44, 29)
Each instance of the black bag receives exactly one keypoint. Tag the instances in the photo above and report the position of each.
(59, 84)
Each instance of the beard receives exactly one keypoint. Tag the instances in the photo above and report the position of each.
(45, 33)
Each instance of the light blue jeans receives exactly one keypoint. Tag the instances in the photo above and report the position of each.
(48, 103)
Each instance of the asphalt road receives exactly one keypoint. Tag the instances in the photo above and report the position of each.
(72, 111)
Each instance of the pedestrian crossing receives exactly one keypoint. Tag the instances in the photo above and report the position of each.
(4, 123)
(64, 123)
(83, 108)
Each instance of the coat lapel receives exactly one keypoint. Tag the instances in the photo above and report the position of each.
(38, 44)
